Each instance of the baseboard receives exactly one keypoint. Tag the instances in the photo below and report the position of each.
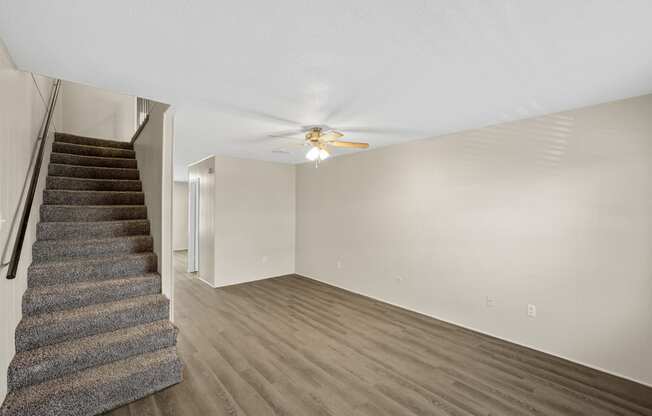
(470, 328)
(205, 282)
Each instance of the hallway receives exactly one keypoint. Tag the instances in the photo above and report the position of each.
(293, 346)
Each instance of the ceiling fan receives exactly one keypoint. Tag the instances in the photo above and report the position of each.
(319, 141)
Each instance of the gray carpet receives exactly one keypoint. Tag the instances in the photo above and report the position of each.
(95, 332)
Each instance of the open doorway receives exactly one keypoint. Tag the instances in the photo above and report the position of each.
(193, 225)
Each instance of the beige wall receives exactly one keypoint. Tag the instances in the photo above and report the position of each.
(90, 111)
(554, 211)
(153, 152)
(254, 220)
(180, 217)
(21, 115)
(204, 170)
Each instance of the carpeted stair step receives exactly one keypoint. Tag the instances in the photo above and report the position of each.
(85, 150)
(107, 162)
(69, 197)
(50, 250)
(42, 299)
(58, 360)
(91, 172)
(81, 213)
(91, 141)
(88, 184)
(51, 328)
(75, 270)
(97, 389)
(90, 230)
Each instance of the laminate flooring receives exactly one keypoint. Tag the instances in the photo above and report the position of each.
(294, 346)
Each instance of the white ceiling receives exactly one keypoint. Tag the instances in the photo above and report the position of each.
(238, 71)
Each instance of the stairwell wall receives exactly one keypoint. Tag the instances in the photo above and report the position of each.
(154, 155)
(95, 112)
(21, 115)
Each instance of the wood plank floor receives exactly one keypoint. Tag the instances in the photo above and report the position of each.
(293, 346)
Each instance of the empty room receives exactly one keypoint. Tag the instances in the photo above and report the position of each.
(326, 208)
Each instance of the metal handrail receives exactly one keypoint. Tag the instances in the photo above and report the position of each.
(24, 219)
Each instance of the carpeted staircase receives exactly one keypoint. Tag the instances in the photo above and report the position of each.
(95, 332)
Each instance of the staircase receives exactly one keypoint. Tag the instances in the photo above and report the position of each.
(95, 332)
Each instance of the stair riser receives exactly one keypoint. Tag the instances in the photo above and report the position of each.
(97, 355)
(64, 213)
(73, 272)
(54, 249)
(89, 141)
(99, 393)
(73, 230)
(75, 149)
(90, 172)
(63, 197)
(81, 184)
(79, 327)
(107, 162)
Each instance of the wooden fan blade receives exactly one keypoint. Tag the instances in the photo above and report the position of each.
(330, 136)
(349, 144)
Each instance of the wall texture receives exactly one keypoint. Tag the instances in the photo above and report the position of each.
(153, 152)
(95, 112)
(554, 211)
(180, 217)
(254, 220)
(21, 115)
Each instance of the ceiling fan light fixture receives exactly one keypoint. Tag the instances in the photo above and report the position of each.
(323, 154)
(313, 154)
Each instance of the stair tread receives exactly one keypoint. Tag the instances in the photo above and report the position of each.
(71, 295)
(98, 161)
(90, 197)
(92, 230)
(90, 150)
(93, 167)
(74, 348)
(90, 311)
(88, 259)
(68, 287)
(82, 157)
(74, 178)
(88, 192)
(98, 389)
(48, 250)
(71, 138)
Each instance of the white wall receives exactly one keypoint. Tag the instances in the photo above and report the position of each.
(21, 115)
(204, 170)
(90, 111)
(554, 211)
(180, 218)
(254, 220)
(154, 155)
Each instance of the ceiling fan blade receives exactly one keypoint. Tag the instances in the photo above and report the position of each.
(351, 145)
(383, 131)
(330, 136)
(287, 133)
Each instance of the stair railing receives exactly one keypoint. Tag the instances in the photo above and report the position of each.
(143, 107)
(27, 208)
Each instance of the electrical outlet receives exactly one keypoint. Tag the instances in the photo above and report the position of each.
(399, 279)
(339, 264)
(264, 259)
(491, 302)
(532, 311)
